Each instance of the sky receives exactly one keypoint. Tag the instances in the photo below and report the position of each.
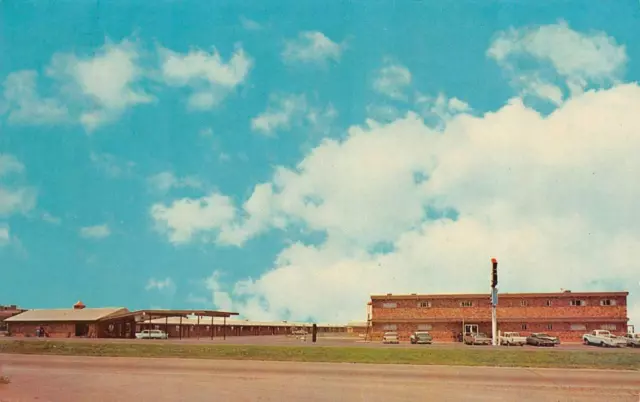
(286, 161)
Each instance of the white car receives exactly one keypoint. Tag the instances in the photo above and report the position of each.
(512, 338)
(152, 334)
(604, 338)
(633, 340)
(390, 337)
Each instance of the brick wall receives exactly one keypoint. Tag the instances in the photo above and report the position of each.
(55, 330)
(550, 313)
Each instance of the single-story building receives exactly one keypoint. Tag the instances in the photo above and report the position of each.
(61, 323)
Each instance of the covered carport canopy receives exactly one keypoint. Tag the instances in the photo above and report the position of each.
(143, 316)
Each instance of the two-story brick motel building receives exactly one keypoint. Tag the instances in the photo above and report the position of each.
(567, 315)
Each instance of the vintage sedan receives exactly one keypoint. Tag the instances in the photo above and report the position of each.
(390, 337)
(541, 339)
(477, 339)
(421, 338)
(633, 340)
(152, 334)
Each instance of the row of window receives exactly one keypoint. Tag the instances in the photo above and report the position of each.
(524, 327)
(523, 303)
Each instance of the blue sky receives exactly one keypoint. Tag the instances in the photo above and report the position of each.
(286, 161)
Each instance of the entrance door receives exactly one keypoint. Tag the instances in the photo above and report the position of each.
(470, 328)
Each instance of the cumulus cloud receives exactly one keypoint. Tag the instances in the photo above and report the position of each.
(186, 217)
(165, 181)
(165, 284)
(311, 47)
(14, 197)
(25, 105)
(440, 109)
(288, 110)
(392, 79)
(95, 232)
(90, 90)
(208, 76)
(106, 83)
(577, 60)
(405, 208)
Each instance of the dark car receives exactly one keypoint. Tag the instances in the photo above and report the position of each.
(421, 337)
(541, 339)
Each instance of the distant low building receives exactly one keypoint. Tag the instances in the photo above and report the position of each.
(6, 312)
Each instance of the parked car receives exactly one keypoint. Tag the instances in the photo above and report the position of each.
(477, 339)
(541, 339)
(421, 337)
(604, 338)
(633, 340)
(512, 339)
(390, 337)
(152, 334)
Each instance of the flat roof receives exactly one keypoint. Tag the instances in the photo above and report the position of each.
(500, 295)
(233, 322)
(151, 314)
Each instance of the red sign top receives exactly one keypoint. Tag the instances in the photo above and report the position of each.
(493, 260)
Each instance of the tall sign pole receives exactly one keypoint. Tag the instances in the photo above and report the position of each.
(494, 301)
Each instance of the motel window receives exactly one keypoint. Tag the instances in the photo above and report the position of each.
(424, 327)
(523, 327)
(466, 303)
(607, 302)
(578, 327)
(549, 327)
(424, 304)
(390, 327)
(389, 305)
(577, 303)
(610, 327)
(524, 303)
(177, 327)
(548, 303)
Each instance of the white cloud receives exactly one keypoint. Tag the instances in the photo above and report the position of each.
(47, 217)
(5, 236)
(165, 181)
(250, 25)
(187, 217)
(312, 47)
(437, 111)
(14, 198)
(111, 165)
(281, 111)
(25, 105)
(560, 216)
(165, 284)
(288, 110)
(95, 232)
(581, 60)
(392, 79)
(10, 164)
(210, 78)
(220, 299)
(105, 84)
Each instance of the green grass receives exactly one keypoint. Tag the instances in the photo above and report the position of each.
(423, 356)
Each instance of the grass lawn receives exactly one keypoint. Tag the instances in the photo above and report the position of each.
(427, 356)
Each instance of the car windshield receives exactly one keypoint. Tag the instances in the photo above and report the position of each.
(481, 335)
(542, 335)
(391, 334)
(422, 334)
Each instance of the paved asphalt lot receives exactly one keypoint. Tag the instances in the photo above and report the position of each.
(323, 341)
(101, 379)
